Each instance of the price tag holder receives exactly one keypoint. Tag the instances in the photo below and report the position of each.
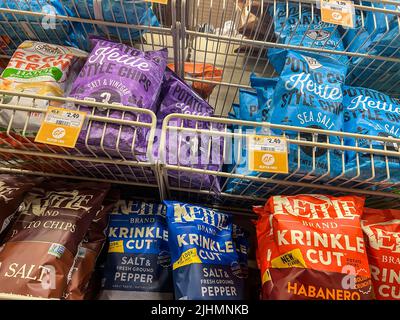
(339, 12)
(158, 1)
(61, 127)
(268, 154)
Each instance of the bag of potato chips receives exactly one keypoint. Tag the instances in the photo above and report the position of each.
(312, 247)
(382, 235)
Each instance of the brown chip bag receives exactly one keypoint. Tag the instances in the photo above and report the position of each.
(89, 250)
(12, 190)
(44, 239)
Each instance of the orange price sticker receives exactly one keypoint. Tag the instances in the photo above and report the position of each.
(61, 127)
(268, 154)
(339, 12)
(158, 1)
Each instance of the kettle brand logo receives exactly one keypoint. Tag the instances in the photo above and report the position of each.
(5, 191)
(48, 50)
(379, 238)
(73, 200)
(318, 34)
(187, 213)
(140, 208)
(322, 208)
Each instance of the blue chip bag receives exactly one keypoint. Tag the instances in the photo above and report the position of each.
(250, 111)
(382, 27)
(265, 89)
(379, 36)
(235, 111)
(305, 29)
(356, 39)
(205, 260)
(127, 12)
(369, 112)
(248, 103)
(309, 94)
(238, 160)
(138, 264)
(15, 29)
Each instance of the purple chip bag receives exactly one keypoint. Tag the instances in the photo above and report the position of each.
(184, 148)
(118, 74)
(178, 97)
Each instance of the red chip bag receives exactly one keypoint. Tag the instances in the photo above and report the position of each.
(312, 247)
(382, 236)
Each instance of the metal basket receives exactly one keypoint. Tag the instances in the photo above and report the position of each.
(373, 173)
(98, 158)
(193, 31)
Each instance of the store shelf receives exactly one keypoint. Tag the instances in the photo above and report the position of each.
(108, 149)
(378, 182)
(372, 67)
(181, 34)
(32, 21)
(179, 30)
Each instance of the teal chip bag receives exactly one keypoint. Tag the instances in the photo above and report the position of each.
(248, 103)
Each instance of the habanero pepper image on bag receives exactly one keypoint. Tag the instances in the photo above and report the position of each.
(382, 235)
(205, 261)
(43, 241)
(35, 68)
(12, 191)
(309, 94)
(89, 250)
(138, 263)
(118, 74)
(312, 247)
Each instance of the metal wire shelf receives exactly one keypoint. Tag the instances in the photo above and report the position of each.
(121, 155)
(186, 27)
(251, 25)
(183, 30)
(374, 171)
(72, 22)
(10, 296)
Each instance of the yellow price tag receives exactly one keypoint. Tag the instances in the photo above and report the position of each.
(339, 12)
(116, 246)
(268, 154)
(158, 1)
(61, 127)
